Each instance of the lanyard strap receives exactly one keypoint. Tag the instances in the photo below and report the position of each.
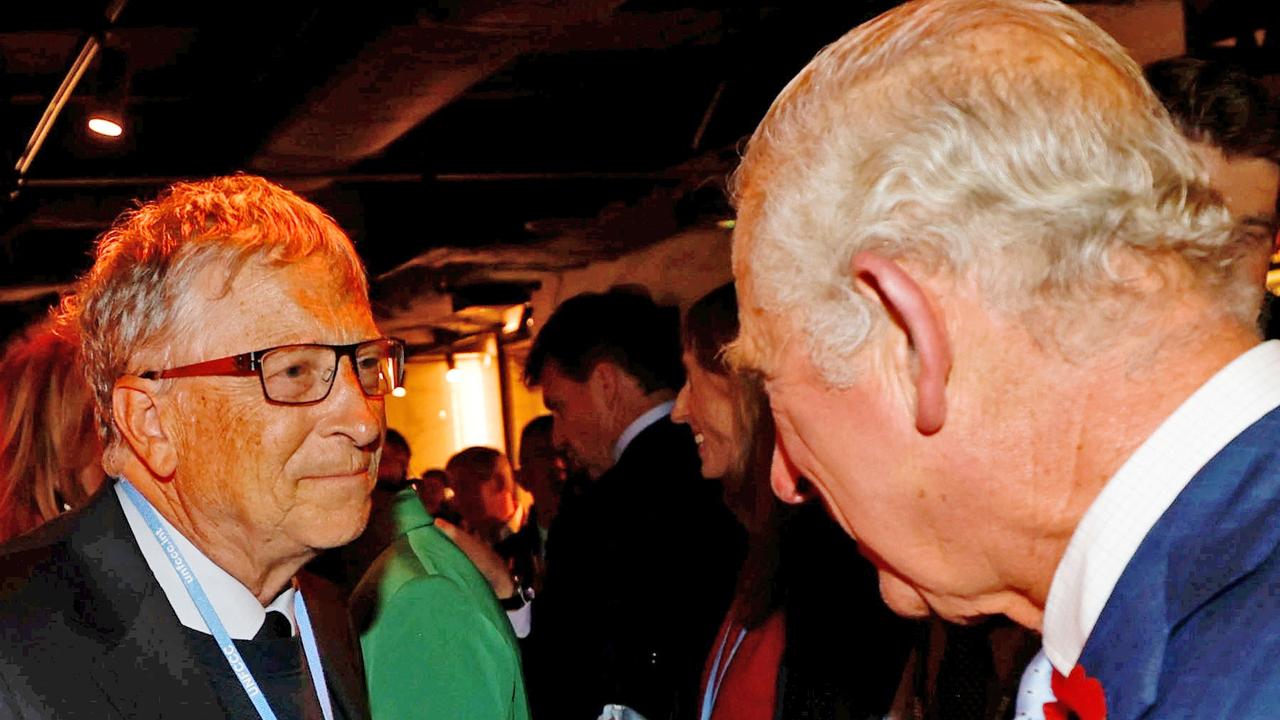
(210, 616)
(716, 676)
(313, 654)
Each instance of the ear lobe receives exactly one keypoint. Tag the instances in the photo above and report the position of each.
(907, 303)
(137, 417)
(784, 478)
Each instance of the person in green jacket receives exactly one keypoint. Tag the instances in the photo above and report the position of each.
(436, 642)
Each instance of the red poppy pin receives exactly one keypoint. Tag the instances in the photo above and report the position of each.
(1079, 697)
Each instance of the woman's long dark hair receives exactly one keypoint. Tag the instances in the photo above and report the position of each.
(710, 325)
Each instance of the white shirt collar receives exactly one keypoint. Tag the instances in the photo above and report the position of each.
(639, 425)
(237, 607)
(1144, 487)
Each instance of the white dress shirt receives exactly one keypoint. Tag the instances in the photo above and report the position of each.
(1141, 491)
(237, 607)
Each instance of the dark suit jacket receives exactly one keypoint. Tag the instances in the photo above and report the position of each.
(640, 571)
(87, 632)
(1192, 629)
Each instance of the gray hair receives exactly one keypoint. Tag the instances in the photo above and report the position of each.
(1010, 140)
(135, 301)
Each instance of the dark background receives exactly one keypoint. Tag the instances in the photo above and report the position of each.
(466, 135)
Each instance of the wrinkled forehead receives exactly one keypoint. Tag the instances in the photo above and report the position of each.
(261, 303)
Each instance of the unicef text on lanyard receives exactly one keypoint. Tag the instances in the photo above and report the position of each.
(225, 643)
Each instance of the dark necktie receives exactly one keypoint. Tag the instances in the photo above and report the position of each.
(275, 626)
(965, 674)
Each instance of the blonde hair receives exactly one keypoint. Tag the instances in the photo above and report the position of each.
(1011, 141)
(136, 299)
(47, 435)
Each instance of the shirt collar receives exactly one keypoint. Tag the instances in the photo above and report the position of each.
(639, 425)
(1144, 487)
(237, 607)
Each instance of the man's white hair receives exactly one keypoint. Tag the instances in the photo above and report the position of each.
(1010, 141)
(136, 303)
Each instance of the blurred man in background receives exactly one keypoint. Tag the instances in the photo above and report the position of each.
(640, 568)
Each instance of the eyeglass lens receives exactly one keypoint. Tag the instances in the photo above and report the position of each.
(304, 373)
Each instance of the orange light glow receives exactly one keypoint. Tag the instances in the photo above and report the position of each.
(105, 126)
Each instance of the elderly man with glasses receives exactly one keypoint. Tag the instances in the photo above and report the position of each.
(239, 379)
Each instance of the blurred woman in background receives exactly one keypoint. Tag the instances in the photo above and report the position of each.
(494, 508)
(805, 637)
(50, 454)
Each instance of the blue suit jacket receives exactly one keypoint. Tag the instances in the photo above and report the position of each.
(1192, 629)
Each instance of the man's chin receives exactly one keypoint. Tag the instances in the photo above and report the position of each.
(901, 597)
(338, 524)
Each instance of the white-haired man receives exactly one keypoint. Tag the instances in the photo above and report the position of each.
(239, 379)
(995, 305)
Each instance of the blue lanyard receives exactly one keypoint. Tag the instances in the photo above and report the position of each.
(225, 643)
(716, 677)
(313, 654)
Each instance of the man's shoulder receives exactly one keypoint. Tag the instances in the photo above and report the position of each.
(664, 451)
(37, 584)
(422, 554)
(1224, 659)
(39, 566)
(48, 607)
(664, 433)
(75, 571)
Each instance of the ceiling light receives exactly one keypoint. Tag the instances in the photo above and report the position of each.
(106, 115)
(105, 126)
(513, 318)
(453, 374)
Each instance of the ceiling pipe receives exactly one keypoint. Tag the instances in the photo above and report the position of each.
(78, 67)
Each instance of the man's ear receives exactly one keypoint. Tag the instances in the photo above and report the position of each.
(133, 405)
(605, 383)
(784, 478)
(907, 304)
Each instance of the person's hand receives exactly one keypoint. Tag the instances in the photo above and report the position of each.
(483, 556)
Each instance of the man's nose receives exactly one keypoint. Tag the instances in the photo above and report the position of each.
(352, 412)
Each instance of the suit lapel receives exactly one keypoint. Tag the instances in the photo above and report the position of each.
(1218, 529)
(146, 668)
(339, 650)
(152, 672)
(144, 665)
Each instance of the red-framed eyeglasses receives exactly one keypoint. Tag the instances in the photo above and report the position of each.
(303, 374)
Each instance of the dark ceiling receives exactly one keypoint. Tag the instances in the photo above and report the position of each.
(527, 134)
